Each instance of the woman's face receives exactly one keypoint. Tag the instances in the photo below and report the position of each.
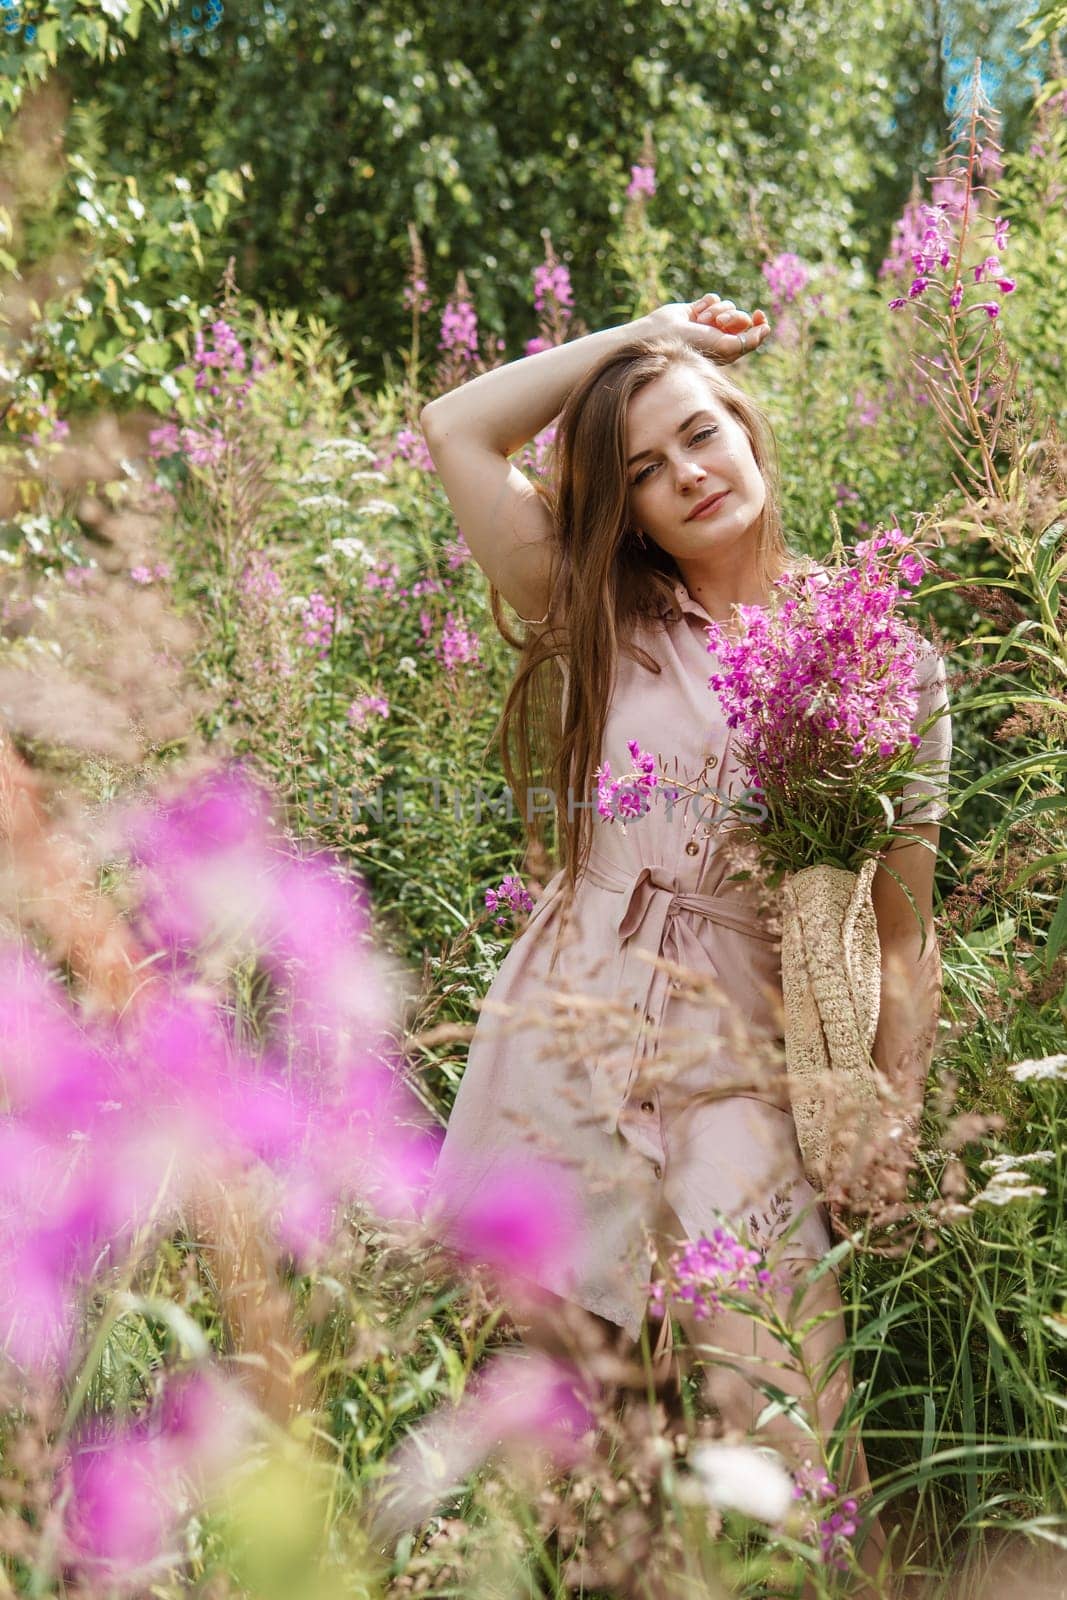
(680, 467)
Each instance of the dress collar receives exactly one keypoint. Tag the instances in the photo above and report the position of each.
(689, 606)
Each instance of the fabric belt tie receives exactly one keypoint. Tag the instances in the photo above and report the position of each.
(648, 921)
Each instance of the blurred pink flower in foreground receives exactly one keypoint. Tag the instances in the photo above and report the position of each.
(126, 1489)
(522, 1222)
(110, 1125)
(519, 1402)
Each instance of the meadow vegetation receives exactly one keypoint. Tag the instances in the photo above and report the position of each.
(260, 866)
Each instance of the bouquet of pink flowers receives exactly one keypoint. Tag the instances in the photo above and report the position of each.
(821, 691)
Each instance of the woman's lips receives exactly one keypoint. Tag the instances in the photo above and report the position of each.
(706, 507)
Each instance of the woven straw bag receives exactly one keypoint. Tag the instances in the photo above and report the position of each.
(831, 986)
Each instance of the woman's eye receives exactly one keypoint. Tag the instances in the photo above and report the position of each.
(704, 433)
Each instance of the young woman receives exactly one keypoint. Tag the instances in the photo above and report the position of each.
(664, 515)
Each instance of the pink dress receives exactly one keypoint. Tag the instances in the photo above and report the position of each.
(618, 1049)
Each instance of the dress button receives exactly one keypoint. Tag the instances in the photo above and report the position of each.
(658, 1170)
(648, 1105)
(692, 848)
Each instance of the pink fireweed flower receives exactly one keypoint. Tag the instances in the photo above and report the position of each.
(366, 706)
(457, 552)
(1000, 233)
(459, 330)
(522, 1222)
(923, 244)
(259, 582)
(225, 352)
(128, 1489)
(813, 1489)
(867, 409)
(459, 645)
(535, 345)
(164, 440)
(906, 237)
(824, 683)
(409, 445)
(627, 798)
(510, 894)
(787, 276)
(552, 284)
(415, 296)
(990, 160)
(518, 1402)
(123, 1503)
(317, 619)
(705, 1270)
(109, 1125)
(642, 182)
(836, 1533)
(537, 454)
(383, 576)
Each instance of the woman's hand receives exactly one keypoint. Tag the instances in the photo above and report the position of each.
(713, 325)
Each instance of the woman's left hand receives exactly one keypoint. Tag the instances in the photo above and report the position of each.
(712, 325)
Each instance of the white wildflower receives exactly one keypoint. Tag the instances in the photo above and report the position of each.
(1004, 1163)
(1007, 1187)
(323, 502)
(375, 508)
(407, 664)
(738, 1477)
(354, 550)
(1045, 1069)
(346, 449)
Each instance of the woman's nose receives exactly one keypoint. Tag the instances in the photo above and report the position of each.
(691, 472)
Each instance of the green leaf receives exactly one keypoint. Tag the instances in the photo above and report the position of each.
(155, 354)
(1057, 933)
(48, 39)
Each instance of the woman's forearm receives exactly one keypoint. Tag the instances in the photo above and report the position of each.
(907, 1019)
(508, 406)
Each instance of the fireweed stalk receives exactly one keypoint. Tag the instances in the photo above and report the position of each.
(628, 799)
(820, 692)
(705, 1270)
(719, 1270)
(958, 286)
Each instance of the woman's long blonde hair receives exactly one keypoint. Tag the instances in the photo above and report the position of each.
(605, 584)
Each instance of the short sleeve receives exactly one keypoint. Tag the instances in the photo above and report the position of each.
(925, 795)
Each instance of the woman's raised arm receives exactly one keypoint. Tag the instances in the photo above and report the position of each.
(471, 431)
